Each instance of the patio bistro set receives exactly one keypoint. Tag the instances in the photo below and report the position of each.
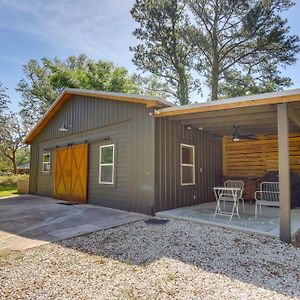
(232, 191)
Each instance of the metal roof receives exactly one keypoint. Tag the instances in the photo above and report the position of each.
(244, 101)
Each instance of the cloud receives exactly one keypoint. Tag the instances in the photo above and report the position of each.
(93, 27)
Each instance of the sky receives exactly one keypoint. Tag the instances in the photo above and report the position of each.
(101, 29)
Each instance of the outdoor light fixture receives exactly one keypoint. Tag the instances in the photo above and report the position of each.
(188, 127)
(200, 128)
(63, 128)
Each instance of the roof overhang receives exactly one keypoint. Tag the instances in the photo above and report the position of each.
(232, 103)
(255, 114)
(149, 101)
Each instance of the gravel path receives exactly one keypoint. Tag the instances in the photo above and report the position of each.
(179, 260)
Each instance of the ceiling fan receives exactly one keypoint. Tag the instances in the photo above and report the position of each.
(236, 136)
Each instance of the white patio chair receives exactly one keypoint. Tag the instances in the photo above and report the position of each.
(234, 184)
(268, 195)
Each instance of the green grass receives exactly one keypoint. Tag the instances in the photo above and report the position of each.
(8, 185)
(8, 191)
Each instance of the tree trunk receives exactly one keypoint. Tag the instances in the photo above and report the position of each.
(14, 163)
(182, 95)
(182, 89)
(215, 82)
(215, 51)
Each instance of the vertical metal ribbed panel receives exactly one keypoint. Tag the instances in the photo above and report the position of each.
(208, 157)
(90, 118)
(33, 173)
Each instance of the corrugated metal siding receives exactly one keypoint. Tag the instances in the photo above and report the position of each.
(45, 179)
(33, 172)
(88, 118)
(82, 113)
(208, 156)
(116, 195)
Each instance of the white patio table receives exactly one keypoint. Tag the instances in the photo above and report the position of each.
(222, 193)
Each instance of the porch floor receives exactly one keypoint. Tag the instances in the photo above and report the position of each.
(267, 224)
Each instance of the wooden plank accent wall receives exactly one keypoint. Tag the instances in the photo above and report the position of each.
(254, 158)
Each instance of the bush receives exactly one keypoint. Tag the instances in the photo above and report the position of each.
(11, 181)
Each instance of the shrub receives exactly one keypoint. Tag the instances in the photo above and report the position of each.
(11, 181)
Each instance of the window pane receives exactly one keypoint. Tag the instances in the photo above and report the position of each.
(46, 167)
(107, 155)
(187, 155)
(106, 174)
(46, 157)
(187, 174)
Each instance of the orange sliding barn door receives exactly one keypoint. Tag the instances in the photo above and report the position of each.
(71, 172)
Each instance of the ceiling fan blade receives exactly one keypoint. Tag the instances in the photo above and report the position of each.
(248, 137)
(236, 136)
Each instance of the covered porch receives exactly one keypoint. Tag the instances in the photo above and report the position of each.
(268, 224)
(258, 134)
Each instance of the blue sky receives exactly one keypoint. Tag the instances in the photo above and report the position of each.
(101, 29)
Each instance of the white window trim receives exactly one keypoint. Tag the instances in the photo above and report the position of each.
(187, 165)
(48, 162)
(110, 164)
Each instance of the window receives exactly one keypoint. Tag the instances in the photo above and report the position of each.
(46, 162)
(107, 164)
(187, 161)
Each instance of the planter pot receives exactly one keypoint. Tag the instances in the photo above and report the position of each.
(23, 186)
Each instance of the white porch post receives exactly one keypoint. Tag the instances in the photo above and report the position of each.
(284, 173)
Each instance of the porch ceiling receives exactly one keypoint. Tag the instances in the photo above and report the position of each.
(252, 120)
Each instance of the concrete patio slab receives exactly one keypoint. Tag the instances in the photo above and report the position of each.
(267, 224)
(28, 221)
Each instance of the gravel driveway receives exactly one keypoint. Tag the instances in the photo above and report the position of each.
(178, 260)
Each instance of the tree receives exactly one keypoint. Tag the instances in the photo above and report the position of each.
(23, 156)
(241, 41)
(152, 86)
(163, 51)
(12, 134)
(5, 166)
(46, 80)
(4, 99)
(237, 84)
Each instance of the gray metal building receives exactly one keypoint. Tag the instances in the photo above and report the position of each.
(144, 175)
(143, 154)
